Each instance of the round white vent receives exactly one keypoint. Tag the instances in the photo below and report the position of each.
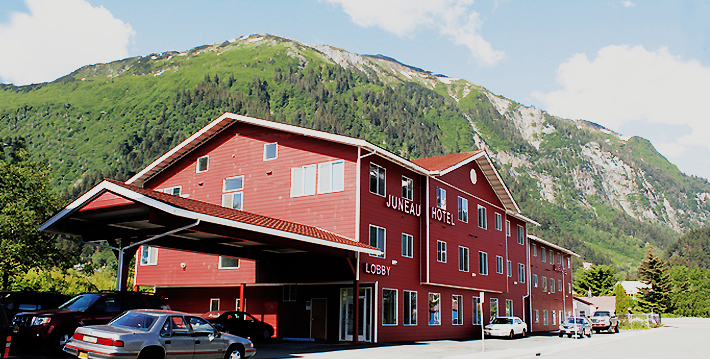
(473, 176)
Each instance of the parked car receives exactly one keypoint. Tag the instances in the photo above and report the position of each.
(149, 333)
(23, 301)
(506, 327)
(577, 326)
(240, 323)
(5, 334)
(52, 328)
(605, 320)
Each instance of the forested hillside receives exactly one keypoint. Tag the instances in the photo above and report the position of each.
(593, 191)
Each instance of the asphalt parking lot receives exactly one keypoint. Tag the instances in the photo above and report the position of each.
(678, 338)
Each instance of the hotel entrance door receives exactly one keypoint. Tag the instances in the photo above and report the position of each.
(347, 310)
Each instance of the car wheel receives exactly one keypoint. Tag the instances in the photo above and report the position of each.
(151, 353)
(512, 334)
(589, 334)
(266, 334)
(611, 329)
(561, 334)
(569, 335)
(62, 338)
(524, 333)
(616, 328)
(234, 353)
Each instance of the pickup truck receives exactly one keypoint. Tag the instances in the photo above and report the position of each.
(605, 320)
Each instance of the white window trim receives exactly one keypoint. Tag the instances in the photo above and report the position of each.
(219, 266)
(408, 181)
(396, 307)
(444, 250)
(499, 268)
(484, 223)
(224, 184)
(507, 228)
(509, 268)
(463, 208)
(213, 300)
(169, 190)
(408, 294)
(197, 164)
(521, 235)
(476, 302)
(460, 311)
(428, 300)
(384, 241)
(480, 263)
(384, 179)
(152, 259)
(466, 258)
(440, 198)
(410, 240)
(232, 194)
(277, 151)
(303, 182)
(499, 221)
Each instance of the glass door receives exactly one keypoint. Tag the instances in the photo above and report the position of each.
(347, 312)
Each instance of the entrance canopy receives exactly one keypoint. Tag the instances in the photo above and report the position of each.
(127, 216)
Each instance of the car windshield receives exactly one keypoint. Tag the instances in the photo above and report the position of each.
(572, 320)
(602, 314)
(502, 321)
(80, 302)
(133, 320)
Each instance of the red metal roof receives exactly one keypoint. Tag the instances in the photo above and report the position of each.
(241, 216)
(440, 163)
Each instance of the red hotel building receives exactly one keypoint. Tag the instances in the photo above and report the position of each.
(551, 284)
(315, 217)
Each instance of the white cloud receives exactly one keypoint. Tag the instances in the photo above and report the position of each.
(56, 38)
(628, 3)
(452, 18)
(629, 85)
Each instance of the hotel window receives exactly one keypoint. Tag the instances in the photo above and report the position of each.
(175, 191)
(534, 276)
(499, 264)
(457, 310)
(377, 239)
(434, 309)
(377, 179)
(214, 304)
(521, 234)
(463, 210)
(303, 181)
(521, 273)
(559, 258)
(477, 314)
(508, 307)
(410, 308)
(494, 309)
(271, 151)
(233, 200)
(544, 317)
(389, 307)
(552, 285)
(544, 284)
(407, 245)
(568, 265)
(559, 285)
(441, 198)
(554, 317)
(537, 316)
(569, 288)
(331, 177)
(534, 250)
(507, 228)
(441, 251)
(149, 256)
(463, 259)
(483, 263)
(228, 262)
(552, 256)
(543, 254)
(499, 221)
(482, 217)
(202, 164)
(509, 268)
(407, 188)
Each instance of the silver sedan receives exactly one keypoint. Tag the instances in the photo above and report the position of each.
(148, 334)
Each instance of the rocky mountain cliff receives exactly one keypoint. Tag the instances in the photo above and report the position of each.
(597, 192)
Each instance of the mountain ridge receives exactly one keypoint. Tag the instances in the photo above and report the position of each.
(600, 193)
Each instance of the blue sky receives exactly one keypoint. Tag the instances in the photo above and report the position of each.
(637, 67)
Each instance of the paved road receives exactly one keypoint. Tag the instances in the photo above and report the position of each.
(677, 339)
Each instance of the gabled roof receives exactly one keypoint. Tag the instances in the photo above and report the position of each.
(433, 166)
(211, 213)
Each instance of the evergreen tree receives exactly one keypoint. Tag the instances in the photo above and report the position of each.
(600, 279)
(654, 271)
(623, 302)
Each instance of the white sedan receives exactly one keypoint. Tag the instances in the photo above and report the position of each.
(506, 327)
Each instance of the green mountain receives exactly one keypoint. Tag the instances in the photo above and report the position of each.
(592, 190)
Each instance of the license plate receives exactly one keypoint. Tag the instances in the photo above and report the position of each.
(89, 339)
(83, 355)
